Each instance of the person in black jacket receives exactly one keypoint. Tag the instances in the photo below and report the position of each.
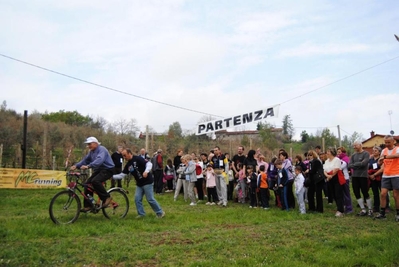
(141, 171)
(282, 184)
(316, 176)
(253, 185)
(118, 160)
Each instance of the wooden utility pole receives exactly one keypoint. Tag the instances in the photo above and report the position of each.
(44, 147)
(1, 155)
(23, 146)
(146, 138)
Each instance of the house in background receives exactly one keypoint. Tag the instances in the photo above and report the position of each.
(238, 135)
(376, 140)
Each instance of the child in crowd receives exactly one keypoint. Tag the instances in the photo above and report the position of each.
(282, 181)
(299, 189)
(169, 175)
(253, 185)
(241, 184)
(272, 179)
(263, 187)
(211, 185)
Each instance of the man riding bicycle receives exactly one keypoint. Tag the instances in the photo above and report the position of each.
(101, 162)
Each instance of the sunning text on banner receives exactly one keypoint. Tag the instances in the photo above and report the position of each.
(234, 121)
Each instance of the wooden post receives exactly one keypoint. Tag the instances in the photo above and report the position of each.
(146, 138)
(1, 155)
(44, 147)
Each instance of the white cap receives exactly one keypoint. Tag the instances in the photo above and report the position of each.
(91, 139)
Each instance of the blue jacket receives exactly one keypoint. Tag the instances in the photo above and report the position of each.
(282, 177)
(97, 159)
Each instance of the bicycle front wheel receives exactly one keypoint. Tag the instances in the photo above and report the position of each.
(119, 206)
(65, 207)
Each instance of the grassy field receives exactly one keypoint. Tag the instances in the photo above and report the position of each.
(191, 236)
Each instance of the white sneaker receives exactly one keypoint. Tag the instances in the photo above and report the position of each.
(339, 214)
(213, 203)
(193, 204)
(220, 202)
(208, 203)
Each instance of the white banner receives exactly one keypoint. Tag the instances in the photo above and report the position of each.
(239, 120)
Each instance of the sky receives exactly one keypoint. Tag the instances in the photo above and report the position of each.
(326, 63)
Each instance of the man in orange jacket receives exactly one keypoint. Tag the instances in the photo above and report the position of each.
(390, 177)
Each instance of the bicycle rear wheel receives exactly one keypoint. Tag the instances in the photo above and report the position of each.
(65, 207)
(119, 206)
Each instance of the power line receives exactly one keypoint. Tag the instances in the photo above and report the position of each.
(106, 87)
(339, 80)
(187, 109)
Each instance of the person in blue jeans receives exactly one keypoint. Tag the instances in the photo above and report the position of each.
(282, 181)
(140, 169)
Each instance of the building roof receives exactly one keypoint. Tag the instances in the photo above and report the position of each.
(379, 136)
(246, 132)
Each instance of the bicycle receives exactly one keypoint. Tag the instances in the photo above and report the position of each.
(65, 206)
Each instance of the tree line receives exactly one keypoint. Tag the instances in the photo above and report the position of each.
(57, 137)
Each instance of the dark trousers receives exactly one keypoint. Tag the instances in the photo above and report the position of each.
(338, 193)
(316, 189)
(252, 196)
(230, 190)
(360, 183)
(158, 181)
(264, 197)
(198, 185)
(376, 188)
(212, 194)
(96, 180)
(290, 194)
(119, 182)
(169, 183)
(330, 192)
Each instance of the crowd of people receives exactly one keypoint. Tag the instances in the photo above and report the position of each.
(216, 179)
(304, 180)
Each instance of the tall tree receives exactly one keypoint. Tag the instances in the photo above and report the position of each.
(268, 136)
(124, 127)
(175, 130)
(288, 127)
(304, 136)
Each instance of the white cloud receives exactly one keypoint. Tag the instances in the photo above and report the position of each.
(209, 57)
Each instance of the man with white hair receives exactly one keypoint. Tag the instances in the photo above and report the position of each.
(390, 177)
(101, 162)
(359, 163)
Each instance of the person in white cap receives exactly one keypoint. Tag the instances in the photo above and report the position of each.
(101, 162)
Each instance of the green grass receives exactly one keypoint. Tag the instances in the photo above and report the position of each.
(191, 236)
